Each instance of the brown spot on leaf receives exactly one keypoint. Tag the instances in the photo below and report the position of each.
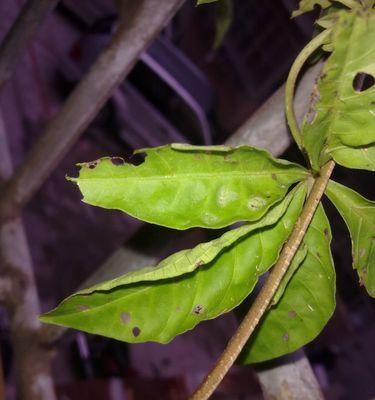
(178, 308)
(125, 317)
(318, 254)
(292, 314)
(286, 337)
(274, 176)
(117, 161)
(199, 263)
(136, 331)
(228, 158)
(83, 307)
(198, 309)
(197, 156)
(362, 252)
(326, 232)
(315, 97)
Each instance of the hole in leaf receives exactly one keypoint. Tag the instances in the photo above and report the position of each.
(92, 164)
(363, 81)
(117, 161)
(137, 159)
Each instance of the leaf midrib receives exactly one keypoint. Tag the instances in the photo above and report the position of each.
(226, 175)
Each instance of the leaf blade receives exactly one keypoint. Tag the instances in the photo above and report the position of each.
(359, 216)
(306, 305)
(186, 187)
(160, 310)
(342, 120)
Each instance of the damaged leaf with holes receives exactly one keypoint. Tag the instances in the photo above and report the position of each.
(341, 125)
(182, 186)
(188, 260)
(158, 310)
(359, 216)
(306, 304)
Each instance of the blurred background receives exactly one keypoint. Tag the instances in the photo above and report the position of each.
(181, 90)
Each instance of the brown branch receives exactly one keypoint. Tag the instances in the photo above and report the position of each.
(31, 360)
(262, 301)
(20, 35)
(142, 22)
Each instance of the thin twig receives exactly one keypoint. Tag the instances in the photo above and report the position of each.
(21, 33)
(143, 21)
(305, 53)
(264, 298)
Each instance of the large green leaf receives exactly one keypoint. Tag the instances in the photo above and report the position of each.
(306, 304)
(160, 310)
(341, 125)
(359, 216)
(295, 264)
(182, 186)
(188, 260)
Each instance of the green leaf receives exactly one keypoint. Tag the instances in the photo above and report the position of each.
(297, 261)
(341, 124)
(306, 305)
(308, 5)
(199, 2)
(186, 186)
(160, 310)
(188, 260)
(223, 21)
(359, 216)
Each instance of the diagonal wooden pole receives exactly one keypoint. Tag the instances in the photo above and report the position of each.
(141, 22)
(21, 33)
(31, 358)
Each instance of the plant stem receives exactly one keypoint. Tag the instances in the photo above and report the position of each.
(291, 83)
(260, 305)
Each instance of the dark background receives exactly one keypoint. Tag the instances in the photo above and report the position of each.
(214, 92)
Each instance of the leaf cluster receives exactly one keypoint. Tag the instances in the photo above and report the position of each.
(182, 186)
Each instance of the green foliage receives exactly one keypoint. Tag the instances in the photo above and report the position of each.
(359, 216)
(125, 308)
(186, 186)
(306, 305)
(308, 5)
(183, 186)
(200, 2)
(341, 123)
(224, 17)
